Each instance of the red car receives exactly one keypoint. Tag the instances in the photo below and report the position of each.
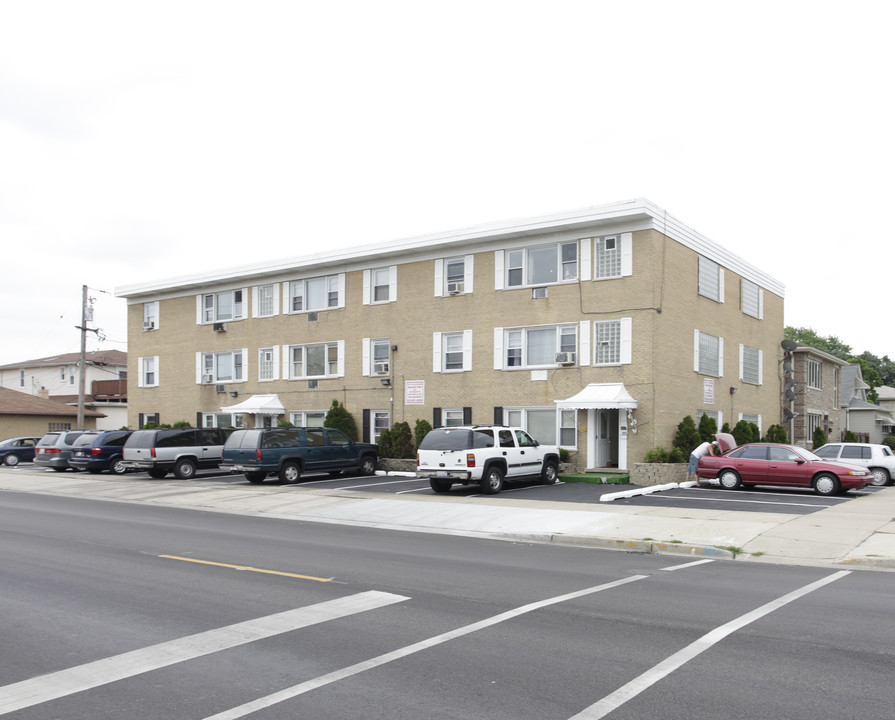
(775, 464)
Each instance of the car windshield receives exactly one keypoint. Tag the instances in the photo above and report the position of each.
(807, 454)
(7, 442)
(48, 440)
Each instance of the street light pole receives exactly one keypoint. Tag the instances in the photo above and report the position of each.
(82, 365)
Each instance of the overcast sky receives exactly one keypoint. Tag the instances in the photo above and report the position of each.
(140, 141)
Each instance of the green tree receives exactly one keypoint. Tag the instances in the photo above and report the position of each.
(338, 417)
(686, 439)
(742, 432)
(890, 441)
(819, 438)
(807, 336)
(420, 430)
(708, 426)
(849, 437)
(402, 441)
(777, 434)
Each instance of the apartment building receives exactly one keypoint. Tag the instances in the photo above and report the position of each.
(597, 329)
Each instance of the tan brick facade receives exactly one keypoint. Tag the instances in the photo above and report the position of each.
(659, 296)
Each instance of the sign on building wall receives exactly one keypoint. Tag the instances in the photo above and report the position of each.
(708, 391)
(415, 392)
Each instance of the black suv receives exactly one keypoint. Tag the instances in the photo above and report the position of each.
(100, 450)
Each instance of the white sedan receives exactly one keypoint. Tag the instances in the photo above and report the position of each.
(878, 459)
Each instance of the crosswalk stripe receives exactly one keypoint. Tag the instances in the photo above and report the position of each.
(101, 672)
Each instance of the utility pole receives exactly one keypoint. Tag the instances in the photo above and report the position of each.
(82, 365)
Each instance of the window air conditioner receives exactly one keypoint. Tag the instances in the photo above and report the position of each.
(220, 388)
(380, 368)
(220, 327)
(208, 379)
(454, 288)
(312, 384)
(148, 325)
(565, 358)
(538, 293)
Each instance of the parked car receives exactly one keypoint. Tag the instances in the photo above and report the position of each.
(486, 455)
(181, 451)
(776, 464)
(18, 449)
(100, 450)
(54, 449)
(878, 459)
(290, 451)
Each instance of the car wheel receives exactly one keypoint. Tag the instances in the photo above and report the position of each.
(549, 473)
(440, 486)
(729, 479)
(367, 466)
(289, 471)
(185, 469)
(880, 477)
(255, 477)
(157, 474)
(11, 460)
(492, 481)
(117, 467)
(826, 484)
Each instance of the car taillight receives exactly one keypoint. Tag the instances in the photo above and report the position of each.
(470, 459)
(152, 452)
(258, 454)
(52, 450)
(95, 451)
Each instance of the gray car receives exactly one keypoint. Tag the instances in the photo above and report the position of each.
(181, 451)
(54, 449)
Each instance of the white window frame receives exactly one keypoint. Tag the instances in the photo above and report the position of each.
(440, 342)
(151, 315)
(379, 420)
(208, 306)
(267, 294)
(338, 345)
(149, 371)
(625, 342)
(209, 364)
(381, 277)
(508, 263)
(696, 354)
(505, 339)
(518, 417)
(752, 299)
(373, 349)
(718, 415)
(752, 418)
(758, 355)
(269, 363)
(623, 251)
(451, 417)
(445, 284)
(333, 285)
(814, 374)
(711, 279)
(300, 418)
(212, 420)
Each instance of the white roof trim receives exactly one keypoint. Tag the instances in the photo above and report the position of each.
(600, 396)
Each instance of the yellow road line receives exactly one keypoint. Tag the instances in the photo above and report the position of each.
(245, 567)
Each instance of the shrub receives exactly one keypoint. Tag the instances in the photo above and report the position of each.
(819, 437)
(725, 428)
(889, 440)
(742, 432)
(401, 441)
(338, 417)
(420, 430)
(284, 423)
(565, 456)
(777, 434)
(687, 436)
(850, 437)
(182, 425)
(678, 456)
(708, 426)
(656, 455)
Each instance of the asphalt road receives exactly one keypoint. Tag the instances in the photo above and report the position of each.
(113, 610)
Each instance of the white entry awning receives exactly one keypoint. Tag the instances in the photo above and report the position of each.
(600, 396)
(258, 405)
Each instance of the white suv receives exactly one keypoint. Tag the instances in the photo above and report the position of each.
(484, 455)
(879, 459)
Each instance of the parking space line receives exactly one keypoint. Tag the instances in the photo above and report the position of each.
(119, 667)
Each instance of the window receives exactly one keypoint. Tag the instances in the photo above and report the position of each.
(452, 352)
(319, 360)
(315, 294)
(709, 354)
(711, 279)
(814, 374)
(307, 418)
(752, 298)
(222, 420)
(222, 367)
(855, 452)
(453, 276)
(148, 371)
(546, 424)
(754, 419)
(21, 378)
(568, 428)
(612, 342)
(379, 422)
(608, 257)
(150, 315)
(714, 414)
(381, 285)
(535, 346)
(376, 357)
(813, 422)
(268, 363)
(542, 265)
(750, 365)
(265, 300)
(222, 306)
(452, 417)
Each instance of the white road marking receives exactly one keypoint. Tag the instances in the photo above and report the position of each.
(687, 565)
(302, 688)
(101, 672)
(615, 700)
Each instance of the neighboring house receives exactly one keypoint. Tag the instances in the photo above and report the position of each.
(57, 378)
(597, 330)
(817, 394)
(886, 398)
(22, 414)
(871, 423)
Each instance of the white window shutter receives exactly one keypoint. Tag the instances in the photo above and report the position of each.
(760, 367)
(365, 357)
(585, 248)
(627, 240)
(254, 301)
(436, 352)
(742, 354)
(287, 364)
(584, 352)
(468, 274)
(467, 350)
(275, 356)
(245, 300)
(200, 367)
(498, 269)
(761, 303)
(498, 348)
(626, 346)
(366, 299)
(696, 350)
(245, 364)
(287, 297)
(721, 284)
(439, 277)
(720, 420)
(199, 308)
(720, 357)
(393, 283)
(341, 363)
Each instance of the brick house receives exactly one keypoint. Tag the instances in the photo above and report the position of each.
(597, 329)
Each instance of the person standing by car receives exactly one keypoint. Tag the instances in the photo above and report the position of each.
(704, 449)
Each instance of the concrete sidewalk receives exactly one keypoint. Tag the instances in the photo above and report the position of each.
(858, 533)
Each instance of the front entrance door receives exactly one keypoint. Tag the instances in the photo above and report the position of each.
(606, 426)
